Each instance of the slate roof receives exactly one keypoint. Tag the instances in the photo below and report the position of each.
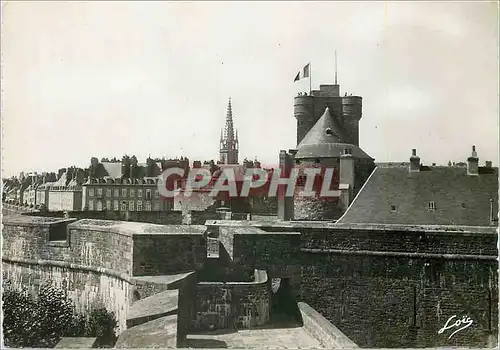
(459, 199)
(329, 150)
(114, 170)
(319, 144)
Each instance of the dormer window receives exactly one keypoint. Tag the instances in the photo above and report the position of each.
(431, 205)
(328, 131)
(393, 208)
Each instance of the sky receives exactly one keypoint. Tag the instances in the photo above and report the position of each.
(104, 79)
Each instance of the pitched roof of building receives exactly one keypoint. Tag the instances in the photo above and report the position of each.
(393, 195)
(114, 169)
(327, 139)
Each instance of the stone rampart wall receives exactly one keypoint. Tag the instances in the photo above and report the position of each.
(91, 263)
(232, 305)
(389, 285)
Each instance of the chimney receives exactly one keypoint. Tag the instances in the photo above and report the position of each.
(414, 161)
(346, 177)
(347, 167)
(488, 164)
(472, 163)
(285, 203)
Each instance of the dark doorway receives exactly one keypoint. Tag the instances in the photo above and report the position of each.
(284, 309)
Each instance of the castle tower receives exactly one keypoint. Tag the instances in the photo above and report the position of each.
(308, 109)
(352, 107)
(328, 145)
(229, 146)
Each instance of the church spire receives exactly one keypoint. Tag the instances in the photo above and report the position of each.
(229, 110)
(229, 131)
(229, 143)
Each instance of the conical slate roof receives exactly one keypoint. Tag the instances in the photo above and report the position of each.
(327, 139)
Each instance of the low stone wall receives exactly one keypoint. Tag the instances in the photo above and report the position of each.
(9, 209)
(233, 305)
(323, 330)
(172, 217)
(199, 217)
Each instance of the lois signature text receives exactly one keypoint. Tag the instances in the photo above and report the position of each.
(461, 324)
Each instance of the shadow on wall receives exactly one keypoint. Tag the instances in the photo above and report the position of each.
(284, 306)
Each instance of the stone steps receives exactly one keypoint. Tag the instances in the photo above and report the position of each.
(158, 333)
(153, 307)
(153, 320)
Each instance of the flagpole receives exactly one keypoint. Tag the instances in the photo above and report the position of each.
(310, 78)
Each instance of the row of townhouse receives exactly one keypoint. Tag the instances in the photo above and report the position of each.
(124, 195)
(98, 195)
(55, 196)
(109, 191)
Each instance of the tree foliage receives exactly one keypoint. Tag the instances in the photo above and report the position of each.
(36, 320)
(41, 320)
(101, 324)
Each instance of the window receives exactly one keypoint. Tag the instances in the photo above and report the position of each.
(108, 204)
(139, 193)
(148, 205)
(431, 205)
(148, 194)
(108, 192)
(157, 205)
(393, 207)
(132, 192)
(99, 191)
(117, 193)
(131, 205)
(139, 205)
(124, 192)
(99, 205)
(91, 192)
(91, 204)
(157, 194)
(116, 206)
(124, 206)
